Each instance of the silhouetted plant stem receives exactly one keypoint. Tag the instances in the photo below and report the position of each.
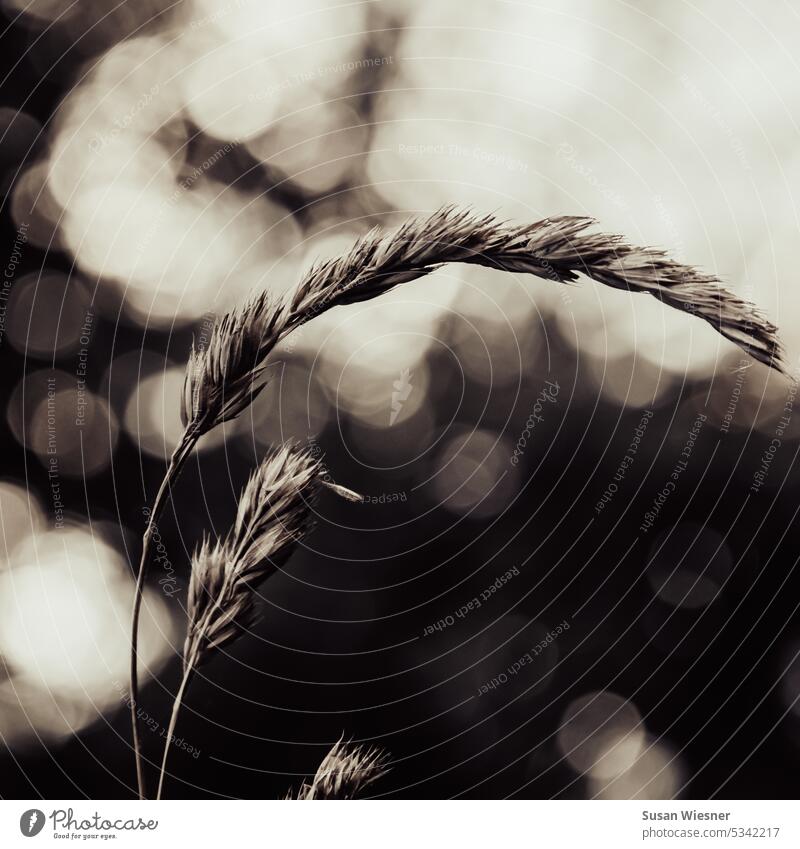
(179, 456)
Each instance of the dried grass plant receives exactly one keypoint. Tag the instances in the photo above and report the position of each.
(273, 515)
(223, 378)
(344, 773)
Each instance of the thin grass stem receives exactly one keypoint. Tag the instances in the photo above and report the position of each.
(177, 460)
(188, 673)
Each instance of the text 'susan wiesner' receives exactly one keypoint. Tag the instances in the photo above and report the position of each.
(685, 815)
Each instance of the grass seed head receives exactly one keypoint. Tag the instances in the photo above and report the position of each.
(345, 772)
(225, 377)
(273, 515)
(557, 249)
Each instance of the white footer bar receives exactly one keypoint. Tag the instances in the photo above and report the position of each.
(402, 824)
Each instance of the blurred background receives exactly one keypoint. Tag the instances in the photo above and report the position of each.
(160, 161)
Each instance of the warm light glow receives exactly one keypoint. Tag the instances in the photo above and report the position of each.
(20, 516)
(64, 616)
(601, 734)
(473, 474)
(655, 773)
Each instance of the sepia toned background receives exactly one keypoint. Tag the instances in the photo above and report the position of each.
(514, 438)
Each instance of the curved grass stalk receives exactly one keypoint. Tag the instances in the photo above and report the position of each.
(177, 460)
(272, 516)
(223, 379)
